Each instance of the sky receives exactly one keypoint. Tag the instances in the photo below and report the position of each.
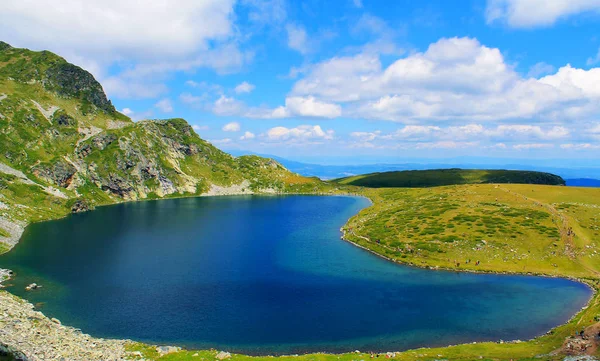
(514, 79)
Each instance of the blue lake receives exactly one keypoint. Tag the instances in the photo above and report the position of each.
(265, 275)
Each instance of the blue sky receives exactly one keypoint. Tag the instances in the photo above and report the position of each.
(310, 79)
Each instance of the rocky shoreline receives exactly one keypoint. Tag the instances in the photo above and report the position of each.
(27, 334)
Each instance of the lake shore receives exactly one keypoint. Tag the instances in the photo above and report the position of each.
(49, 339)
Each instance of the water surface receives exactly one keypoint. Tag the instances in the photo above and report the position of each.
(265, 275)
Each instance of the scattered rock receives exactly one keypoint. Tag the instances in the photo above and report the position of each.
(33, 286)
(222, 355)
(165, 350)
(55, 320)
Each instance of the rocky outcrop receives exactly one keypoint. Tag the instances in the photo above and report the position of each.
(103, 140)
(117, 186)
(80, 206)
(63, 119)
(71, 81)
(60, 173)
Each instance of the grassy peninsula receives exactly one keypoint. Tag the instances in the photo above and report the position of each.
(64, 148)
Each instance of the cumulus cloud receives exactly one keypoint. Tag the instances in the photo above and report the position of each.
(244, 87)
(126, 28)
(164, 105)
(231, 127)
(199, 128)
(455, 79)
(294, 107)
(299, 134)
(247, 136)
(536, 13)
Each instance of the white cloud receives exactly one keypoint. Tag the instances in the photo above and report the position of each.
(227, 106)
(300, 133)
(580, 146)
(244, 87)
(455, 79)
(231, 127)
(529, 146)
(123, 28)
(127, 111)
(164, 105)
(297, 38)
(357, 4)
(366, 136)
(536, 13)
(311, 107)
(294, 107)
(199, 128)
(221, 141)
(247, 136)
(188, 98)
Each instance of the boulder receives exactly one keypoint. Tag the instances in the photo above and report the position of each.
(222, 355)
(165, 350)
(80, 206)
(33, 286)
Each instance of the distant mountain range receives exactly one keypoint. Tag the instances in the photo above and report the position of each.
(576, 176)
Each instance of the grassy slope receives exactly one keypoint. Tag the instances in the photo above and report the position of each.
(444, 177)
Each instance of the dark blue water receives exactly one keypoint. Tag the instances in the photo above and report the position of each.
(265, 275)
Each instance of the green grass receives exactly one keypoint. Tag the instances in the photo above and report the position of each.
(444, 177)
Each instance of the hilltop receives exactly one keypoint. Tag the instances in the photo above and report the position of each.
(64, 147)
(446, 177)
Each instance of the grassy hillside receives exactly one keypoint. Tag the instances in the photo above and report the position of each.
(64, 147)
(445, 177)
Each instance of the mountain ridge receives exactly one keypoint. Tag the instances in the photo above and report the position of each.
(64, 147)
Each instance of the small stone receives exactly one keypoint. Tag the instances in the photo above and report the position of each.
(55, 320)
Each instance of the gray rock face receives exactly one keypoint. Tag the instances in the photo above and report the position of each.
(80, 206)
(60, 173)
(72, 81)
(117, 186)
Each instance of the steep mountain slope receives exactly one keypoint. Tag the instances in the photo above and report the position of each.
(444, 177)
(63, 147)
